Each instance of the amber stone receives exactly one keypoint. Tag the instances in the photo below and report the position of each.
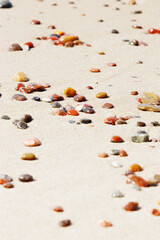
(35, 87)
(72, 112)
(155, 212)
(117, 139)
(19, 97)
(103, 155)
(141, 124)
(56, 97)
(19, 85)
(78, 42)
(123, 153)
(20, 77)
(107, 105)
(79, 98)
(110, 120)
(35, 22)
(32, 142)
(104, 223)
(15, 47)
(25, 178)
(60, 112)
(58, 209)
(25, 90)
(112, 64)
(135, 168)
(65, 223)
(89, 87)
(28, 156)
(8, 185)
(69, 92)
(101, 95)
(137, 180)
(134, 93)
(134, 42)
(131, 206)
(65, 39)
(132, 2)
(95, 70)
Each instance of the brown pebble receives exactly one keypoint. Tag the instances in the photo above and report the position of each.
(8, 185)
(134, 93)
(69, 44)
(115, 31)
(141, 124)
(65, 223)
(131, 206)
(19, 97)
(104, 223)
(79, 98)
(26, 118)
(25, 178)
(112, 64)
(37, 22)
(58, 209)
(107, 105)
(136, 26)
(89, 87)
(78, 42)
(15, 47)
(103, 155)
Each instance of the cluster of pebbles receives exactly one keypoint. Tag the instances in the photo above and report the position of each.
(148, 102)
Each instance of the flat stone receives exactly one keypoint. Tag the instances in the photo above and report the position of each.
(36, 99)
(101, 95)
(5, 117)
(116, 164)
(117, 194)
(28, 156)
(8, 185)
(45, 99)
(65, 39)
(141, 124)
(79, 98)
(85, 120)
(149, 107)
(71, 121)
(120, 122)
(107, 105)
(20, 77)
(19, 97)
(155, 124)
(25, 178)
(140, 136)
(114, 152)
(5, 4)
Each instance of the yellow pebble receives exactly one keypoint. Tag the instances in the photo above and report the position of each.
(60, 33)
(158, 202)
(20, 77)
(69, 92)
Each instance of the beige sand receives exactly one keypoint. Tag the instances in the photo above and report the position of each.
(68, 172)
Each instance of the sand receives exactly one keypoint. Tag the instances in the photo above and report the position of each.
(68, 171)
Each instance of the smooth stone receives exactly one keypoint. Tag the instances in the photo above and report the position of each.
(107, 105)
(26, 118)
(114, 152)
(120, 122)
(134, 42)
(5, 177)
(48, 100)
(157, 178)
(79, 107)
(25, 178)
(149, 107)
(28, 156)
(15, 47)
(116, 164)
(21, 125)
(117, 194)
(65, 39)
(56, 105)
(101, 95)
(19, 97)
(140, 136)
(71, 121)
(154, 124)
(85, 120)
(141, 124)
(88, 110)
(63, 109)
(151, 98)
(36, 99)
(25, 47)
(5, 4)
(8, 185)
(5, 117)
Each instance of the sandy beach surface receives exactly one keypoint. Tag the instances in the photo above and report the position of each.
(68, 171)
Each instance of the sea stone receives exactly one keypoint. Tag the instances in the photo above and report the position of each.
(140, 136)
(114, 152)
(21, 125)
(26, 118)
(150, 98)
(5, 177)
(19, 97)
(149, 107)
(28, 156)
(101, 95)
(25, 178)
(20, 77)
(117, 194)
(116, 164)
(15, 47)
(120, 122)
(5, 4)
(157, 178)
(6, 117)
(107, 105)
(65, 39)
(56, 105)
(154, 124)
(85, 120)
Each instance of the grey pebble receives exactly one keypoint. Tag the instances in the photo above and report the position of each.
(21, 125)
(140, 136)
(5, 117)
(5, 177)
(116, 164)
(114, 152)
(71, 121)
(117, 194)
(5, 4)
(56, 105)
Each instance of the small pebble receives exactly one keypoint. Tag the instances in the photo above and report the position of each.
(155, 212)
(117, 194)
(104, 224)
(139, 62)
(32, 142)
(131, 206)
(134, 42)
(8, 185)
(5, 4)
(141, 124)
(110, 120)
(89, 87)
(116, 164)
(79, 98)
(101, 53)
(72, 112)
(65, 223)
(5, 117)
(15, 47)
(95, 70)
(101, 95)
(117, 139)
(5, 177)
(114, 152)
(45, 99)
(134, 93)
(71, 121)
(58, 209)
(85, 120)
(28, 156)
(60, 112)
(120, 122)
(107, 105)
(25, 178)
(103, 155)
(112, 64)
(35, 22)
(123, 153)
(56, 105)
(19, 97)
(26, 118)
(21, 125)
(69, 92)
(115, 31)
(135, 168)
(140, 136)
(36, 99)
(20, 77)
(155, 124)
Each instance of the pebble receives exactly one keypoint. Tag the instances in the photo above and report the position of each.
(149, 107)
(71, 121)
(132, 2)
(104, 223)
(110, 120)
(139, 62)
(58, 209)
(117, 139)
(112, 64)
(56, 105)
(5, 117)
(19, 97)
(35, 22)
(69, 92)
(131, 206)
(88, 110)
(19, 85)
(5, 4)
(141, 124)
(134, 42)
(139, 181)
(115, 31)
(107, 105)
(15, 47)
(101, 53)
(8, 185)
(36, 87)
(29, 44)
(135, 168)
(5, 177)
(101, 95)
(28, 156)
(137, 12)
(65, 39)
(36, 99)
(155, 124)
(25, 178)
(79, 98)
(21, 125)
(157, 178)
(72, 112)
(45, 99)
(117, 194)
(89, 87)
(120, 122)
(103, 155)
(65, 223)
(95, 70)
(25, 47)
(155, 212)
(137, 26)
(32, 142)
(140, 136)
(134, 93)
(116, 164)
(114, 152)
(56, 97)
(60, 112)
(123, 153)
(26, 118)
(85, 120)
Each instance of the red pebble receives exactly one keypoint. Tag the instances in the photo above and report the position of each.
(72, 112)
(110, 120)
(153, 31)
(2, 181)
(19, 85)
(134, 93)
(123, 153)
(131, 206)
(139, 181)
(51, 27)
(35, 22)
(89, 87)
(56, 97)
(112, 64)
(116, 139)
(29, 44)
(53, 38)
(139, 100)
(155, 212)
(58, 209)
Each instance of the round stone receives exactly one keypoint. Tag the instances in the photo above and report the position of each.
(117, 139)
(56, 105)
(28, 156)
(5, 4)
(117, 194)
(25, 178)
(114, 152)
(135, 168)
(103, 155)
(65, 223)
(115, 31)
(32, 142)
(131, 206)
(123, 153)
(110, 120)
(140, 136)
(37, 22)
(8, 185)
(5, 117)
(79, 98)
(36, 99)
(116, 164)
(61, 112)
(72, 112)
(15, 47)
(85, 120)
(88, 110)
(101, 95)
(26, 118)
(107, 105)
(134, 42)
(56, 97)
(19, 97)
(5, 177)
(46, 99)
(69, 92)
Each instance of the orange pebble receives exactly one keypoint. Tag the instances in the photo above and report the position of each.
(19, 85)
(32, 142)
(139, 181)
(104, 223)
(110, 120)
(117, 139)
(135, 168)
(59, 33)
(61, 112)
(103, 155)
(72, 112)
(155, 212)
(123, 153)
(134, 93)
(112, 64)
(2, 181)
(69, 92)
(95, 70)
(58, 209)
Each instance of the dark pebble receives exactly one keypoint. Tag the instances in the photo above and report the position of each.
(115, 31)
(36, 99)
(88, 110)
(21, 125)
(65, 223)
(5, 4)
(134, 42)
(5, 117)
(137, 12)
(26, 118)
(56, 35)
(15, 47)
(25, 178)
(85, 120)
(141, 124)
(8, 185)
